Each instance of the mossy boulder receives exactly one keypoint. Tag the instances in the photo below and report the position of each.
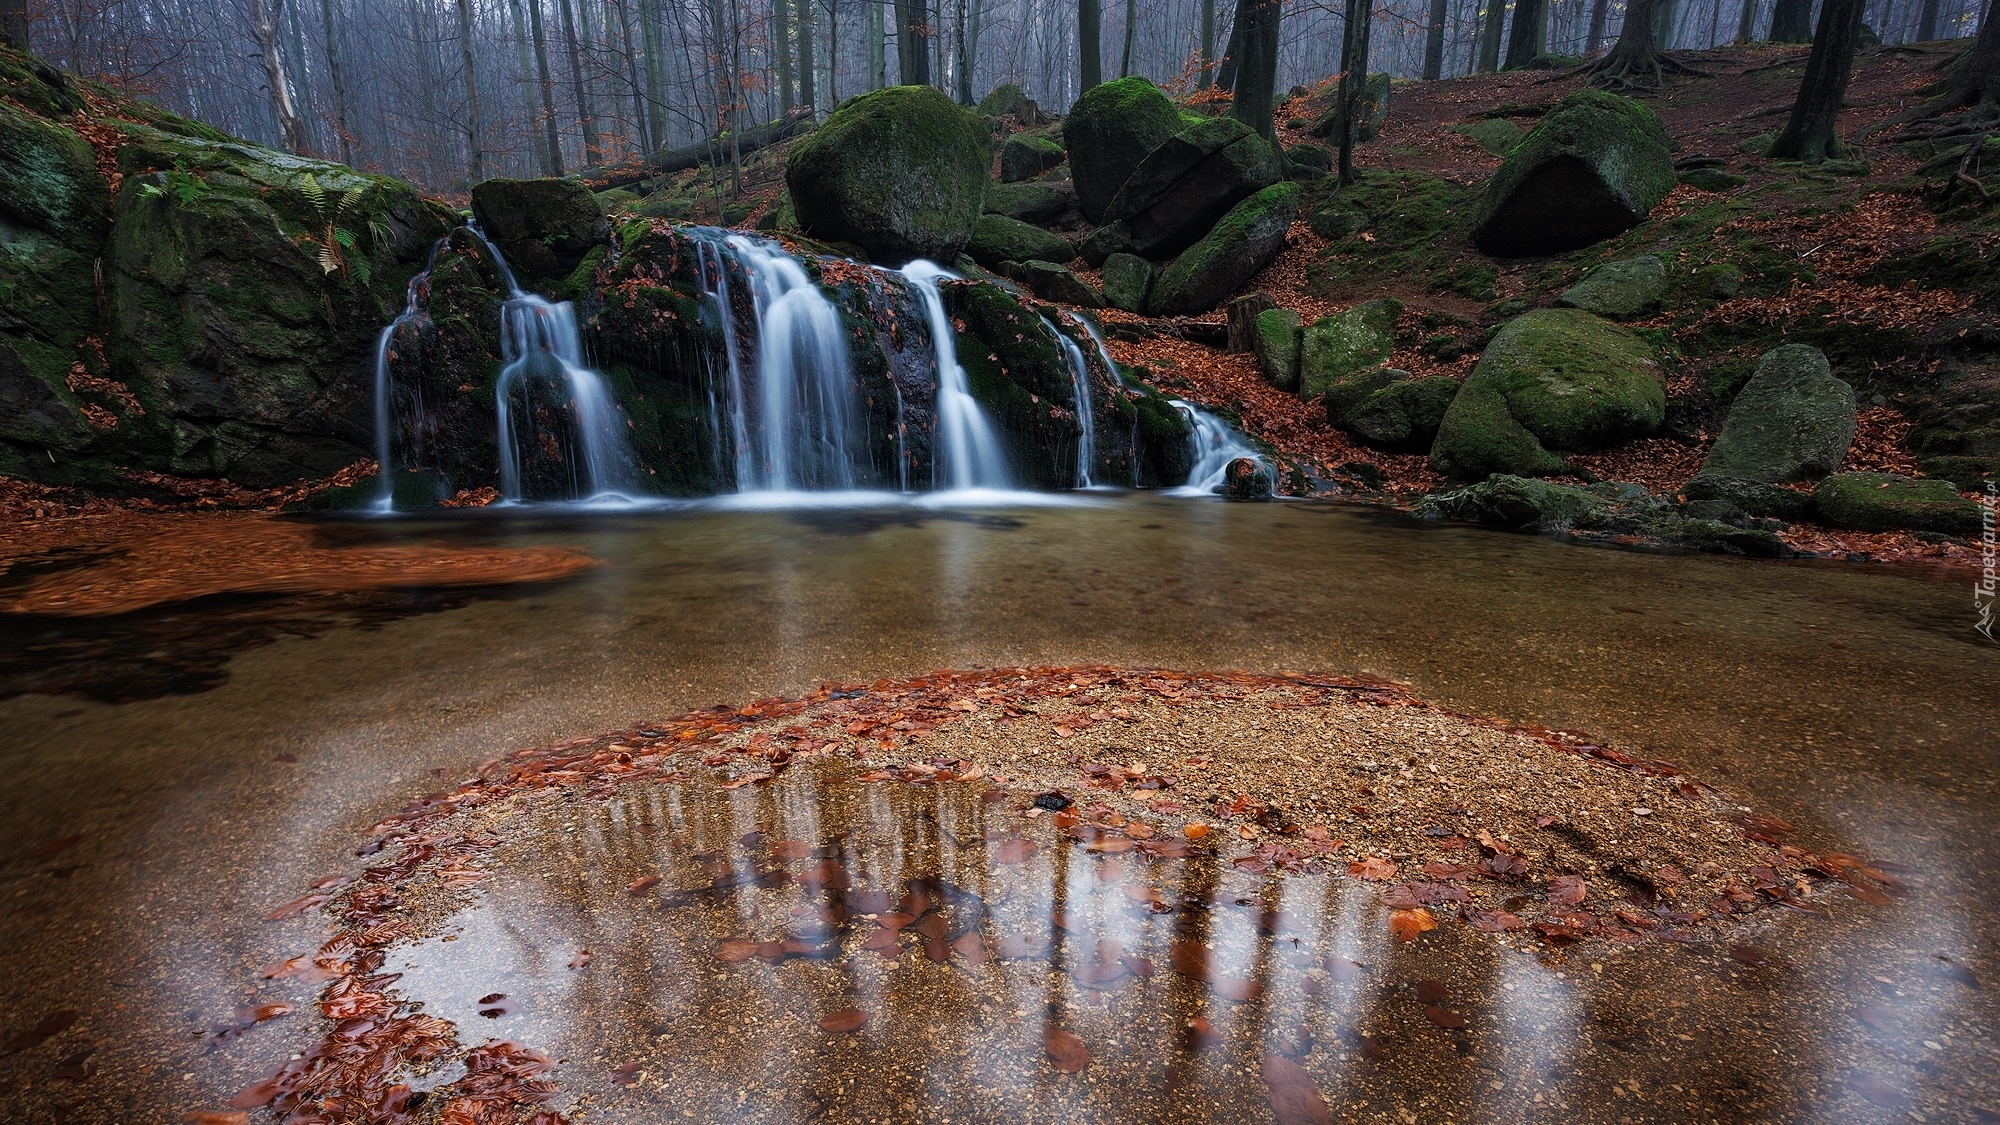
(899, 172)
(543, 227)
(997, 239)
(1792, 421)
(1127, 280)
(1024, 156)
(1594, 167)
(1277, 343)
(1496, 135)
(1551, 381)
(1308, 161)
(1711, 178)
(1097, 247)
(1410, 225)
(1622, 290)
(1246, 478)
(1371, 111)
(1053, 282)
(1229, 255)
(1004, 100)
(1190, 180)
(1033, 202)
(1731, 498)
(1517, 504)
(1890, 502)
(1109, 131)
(1346, 344)
(1389, 410)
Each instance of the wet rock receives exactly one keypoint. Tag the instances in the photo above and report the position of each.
(1730, 498)
(1004, 100)
(1553, 380)
(1346, 344)
(1052, 282)
(1109, 131)
(1277, 344)
(1496, 135)
(997, 239)
(1308, 161)
(1023, 157)
(1241, 245)
(1191, 180)
(1890, 502)
(1712, 179)
(1029, 202)
(545, 228)
(1395, 412)
(1517, 504)
(1622, 290)
(1127, 279)
(1098, 246)
(1596, 165)
(1246, 478)
(1724, 538)
(1792, 421)
(899, 172)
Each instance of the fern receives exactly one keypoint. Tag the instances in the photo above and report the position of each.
(333, 241)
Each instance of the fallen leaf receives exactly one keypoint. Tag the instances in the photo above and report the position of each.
(1202, 1034)
(217, 1117)
(581, 959)
(625, 1074)
(1066, 1051)
(1443, 1016)
(846, 1019)
(1375, 869)
(1015, 850)
(1295, 1098)
(641, 885)
(1195, 830)
(1567, 890)
(1407, 925)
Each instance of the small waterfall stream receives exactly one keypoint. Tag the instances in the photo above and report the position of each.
(385, 387)
(1216, 443)
(1086, 413)
(969, 455)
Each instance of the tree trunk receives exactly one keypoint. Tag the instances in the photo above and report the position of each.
(656, 73)
(1791, 21)
(1257, 73)
(808, 95)
(832, 52)
(1434, 43)
(586, 118)
(1634, 62)
(972, 41)
(300, 72)
(1353, 82)
(1600, 15)
(781, 46)
(1746, 23)
(962, 75)
(264, 26)
(475, 156)
(878, 62)
(1524, 41)
(14, 22)
(1490, 35)
(1927, 21)
(1089, 43)
(339, 81)
(1225, 77)
(1664, 14)
(1131, 23)
(630, 46)
(1808, 136)
(552, 139)
(1207, 43)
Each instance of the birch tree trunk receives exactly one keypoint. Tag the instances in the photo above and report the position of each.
(264, 28)
(475, 157)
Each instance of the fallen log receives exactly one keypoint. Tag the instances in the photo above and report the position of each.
(669, 161)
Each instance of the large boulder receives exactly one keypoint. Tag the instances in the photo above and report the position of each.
(1277, 343)
(1346, 344)
(1622, 290)
(1229, 255)
(1551, 381)
(1389, 410)
(544, 228)
(899, 172)
(1517, 504)
(1052, 282)
(1889, 502)
(1192, 179)
(1028, 202)
(997, 239)
(1792, 421)
(1023, 157)
(1371, 111)
(1109, 131)
(1127, 279)
(1595, 166)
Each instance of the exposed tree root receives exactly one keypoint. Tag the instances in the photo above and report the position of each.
(1622, 71)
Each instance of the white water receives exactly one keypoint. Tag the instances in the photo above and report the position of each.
(966, 453)
(1216, 443)
(1086, 413)
(534, 332)
(385, 388)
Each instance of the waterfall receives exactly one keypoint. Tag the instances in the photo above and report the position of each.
(1086, 413)
(1215, 444)
(968, 451)
(536, 333)
(385, 388)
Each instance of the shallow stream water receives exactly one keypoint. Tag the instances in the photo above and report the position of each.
(143, 842)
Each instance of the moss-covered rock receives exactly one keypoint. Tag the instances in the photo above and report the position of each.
(1553, 380)
(1277, 344)
(545, 227)
(1243, 243)
(1405, 224)
(1052, 282)
(1516, 504)
(1024, 156)
(1246, 478)
(1034, 202)
(1731, 498)
(1496, 135)
(1098, 246)
(1338, 347)
(997, 239)
(899, 172)
(1308, 161)
(1890, 502)
(1127, 280)
(1792, 421)
(1400, 414)
(1712, 179)
(1622, 290)
(1595, 166)
(1108, 132)
(1004, 100)
(1191, 180)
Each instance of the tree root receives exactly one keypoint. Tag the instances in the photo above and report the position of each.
(1622, 71)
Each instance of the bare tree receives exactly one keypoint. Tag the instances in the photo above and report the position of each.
(264, 27)
(1490, 36)
(1434, 42)
(14, 22)
(1791, 21)
(1353, 83)
(1634, 63)
(1257, 23)
(1808, 136)
(554, 139)
(1524, 41)
(1089, 42)
(1971, 83)
(475, 157)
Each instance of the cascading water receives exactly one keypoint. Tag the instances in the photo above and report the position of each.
(968, 449)
(1215, 444)
(1086, 414)
(385, 388)
(539, 339)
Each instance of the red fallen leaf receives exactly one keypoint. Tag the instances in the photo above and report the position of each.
(1567, 890)
(625, 1074)
(1141, 967)
(1443, 1016)
(1408, 925)
(879, 940)
(1066, 1052)
(1876, 1091)
(735, 949)
(259, 1095)
(1431, 991)
(1453, 872)
(1869, 895)
(1015, 850)
(1202, 1034)
(301, 968)
(1340, 968)
(55, 845)
(1311, 986)
(1016, 946)
(844, 1020)
(894, 919)
(642, 884)
(1749, 955)
(1239, 989)
(1375, 869)
(216, 1117)
(1555, 933)
(1493, 921)
(936, 949)
(1189, 959)
(1110, 845)
(296, 907)
(970, 946)
(1295, 1098)
(791, 849)
(933, 926)
(581, 959)
(870, 901)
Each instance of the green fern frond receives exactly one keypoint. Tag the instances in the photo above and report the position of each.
(316, 195)
(352, 197)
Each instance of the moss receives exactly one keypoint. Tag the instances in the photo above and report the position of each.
(1230, 254)
(1109, 131)
(1594, 166)
(1337, 347)
(997, 239)
(1165, 456)
(900, 172)
(1888, 502)
(1405, 224)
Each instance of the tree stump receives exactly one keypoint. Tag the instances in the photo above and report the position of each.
(1243, 320)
